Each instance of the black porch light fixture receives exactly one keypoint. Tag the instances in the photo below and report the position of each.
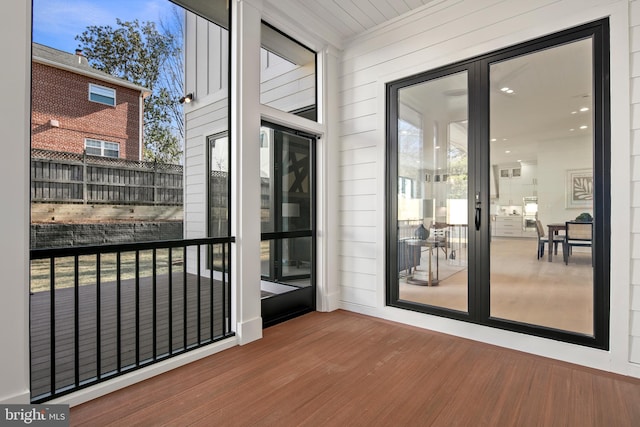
(187, 98)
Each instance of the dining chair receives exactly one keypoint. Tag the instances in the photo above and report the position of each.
(439, 236)
(577, 234)
(544, 240)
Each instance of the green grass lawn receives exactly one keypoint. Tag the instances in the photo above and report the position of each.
(87, 271)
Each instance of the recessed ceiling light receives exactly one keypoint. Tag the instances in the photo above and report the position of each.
(455, 92)
(493, 140)
(583, 109)
(507, 151)
(571, 130)
(510, 91)
(583, 127)
(504, 89)
(574, 112)
(504, 139)
(518, 160)
(437, 146)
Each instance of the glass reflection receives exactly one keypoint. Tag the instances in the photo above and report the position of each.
(432, 192)
(287, 74)
(541, 155)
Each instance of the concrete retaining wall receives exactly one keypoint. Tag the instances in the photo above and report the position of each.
(65, 235)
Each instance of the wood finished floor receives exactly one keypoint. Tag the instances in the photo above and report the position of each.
(346, 369)
(523, 288)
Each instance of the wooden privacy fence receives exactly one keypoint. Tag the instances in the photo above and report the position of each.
(80, 178)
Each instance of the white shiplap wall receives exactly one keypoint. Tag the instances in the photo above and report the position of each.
(284, 85)
(635, 141)
(206, 59)
(443, 33)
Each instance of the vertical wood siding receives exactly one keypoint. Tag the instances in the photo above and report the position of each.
(206, 59)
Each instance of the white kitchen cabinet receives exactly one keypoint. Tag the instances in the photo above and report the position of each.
(493, 187)
(510, 226)
(510, 191)
(515, 181)
(529, 179)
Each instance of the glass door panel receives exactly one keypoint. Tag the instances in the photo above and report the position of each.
(432, 192)
(523, 134)
(541, 162)
(219, 188)
(287, 222)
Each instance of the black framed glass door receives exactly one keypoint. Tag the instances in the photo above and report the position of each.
(287, 223)
(498, 188)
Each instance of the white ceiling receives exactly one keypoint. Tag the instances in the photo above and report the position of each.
(352, 17)
(549, 85)
(338, 21)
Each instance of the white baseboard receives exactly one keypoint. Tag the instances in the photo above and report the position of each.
(544, 347)
(330, 302)
(249, 331)
(22, 398)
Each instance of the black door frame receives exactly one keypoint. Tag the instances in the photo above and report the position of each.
(478, 155)
(281, 307)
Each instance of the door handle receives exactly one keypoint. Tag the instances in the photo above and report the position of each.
(478, 213)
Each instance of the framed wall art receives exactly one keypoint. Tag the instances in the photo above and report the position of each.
(579, 188)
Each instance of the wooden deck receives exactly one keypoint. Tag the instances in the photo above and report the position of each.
(88, 338)
(345, 369)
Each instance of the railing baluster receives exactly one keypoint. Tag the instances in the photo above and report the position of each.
(198, 296)
(119, 310)
(225, 326)
(211, 287)
(137, 308)
(76, 314)
(52, 320)
(98, 320)
(184, 297)
(170, 301)
(155, 314)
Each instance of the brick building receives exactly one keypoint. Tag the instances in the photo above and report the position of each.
(75, 106)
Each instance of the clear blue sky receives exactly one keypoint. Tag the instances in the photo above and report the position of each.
(57, 22)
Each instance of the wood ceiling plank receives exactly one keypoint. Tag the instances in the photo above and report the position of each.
(384, 7)
(356, 12)
(372, 12)
(399, 6)
(331, 14)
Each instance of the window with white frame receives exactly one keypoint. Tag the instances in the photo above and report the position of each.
(95, 147)
(102, 95)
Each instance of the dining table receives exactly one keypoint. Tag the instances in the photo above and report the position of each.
(554, 228)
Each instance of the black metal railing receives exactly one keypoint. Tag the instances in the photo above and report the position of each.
(101, 311)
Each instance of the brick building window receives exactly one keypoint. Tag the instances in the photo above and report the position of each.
(101, 94)
(95, 147)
